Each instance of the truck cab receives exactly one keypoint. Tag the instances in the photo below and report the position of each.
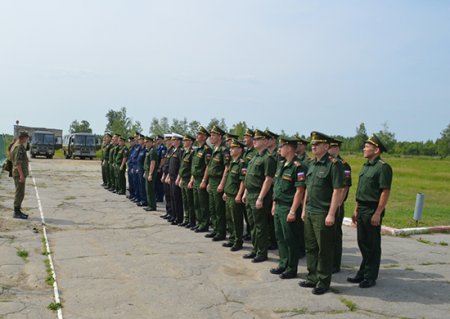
(81, 145)
(42, 143)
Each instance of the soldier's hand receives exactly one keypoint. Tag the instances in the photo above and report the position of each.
(303, 216)
(238, 199)
(290, 218)
(329, 221)
(375, 221)
(244, 198)
(149, 178)
(202, 185)
(259, 203)
(354, 218)
(224, 197)
(220, 188)
(190, 186)
(22, 179)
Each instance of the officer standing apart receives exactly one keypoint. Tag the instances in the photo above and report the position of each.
(19, 159)
(289, 188)
(200, 160)
(324, 188)
(372, 194)
(335, 149)
(215, 175)
(258, 182)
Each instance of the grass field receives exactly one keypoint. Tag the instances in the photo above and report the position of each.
(412, 175)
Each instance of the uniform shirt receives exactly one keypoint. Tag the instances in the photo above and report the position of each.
(260, 166)
(112, 153)
(105, 152)
(375, 176)
(165, 167)
(132, 156)
(141, 159)
(289, 176)
(161, 151)
(186, 164)
(220, 158)
(235, 174)
(249, 154)
(122, 152)
(19, 156)
(150, 155)
(175, 162)
(304, 160)
(200, 160)
(347, 174)
(323, 177)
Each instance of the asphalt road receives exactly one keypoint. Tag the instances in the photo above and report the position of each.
(114, 260)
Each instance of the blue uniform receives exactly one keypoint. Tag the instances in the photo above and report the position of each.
(131, 166)
(140, 189)
(159, 187)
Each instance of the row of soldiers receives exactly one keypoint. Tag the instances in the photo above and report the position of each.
(285, 198)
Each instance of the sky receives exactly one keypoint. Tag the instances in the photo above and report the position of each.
(289, 65)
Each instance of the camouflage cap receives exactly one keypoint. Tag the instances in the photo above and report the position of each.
(202, 130)
(217, 130)
(317, 137)
(236, 143)
(374, 140)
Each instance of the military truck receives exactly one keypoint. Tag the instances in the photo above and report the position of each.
(81, 145)
(42, 143)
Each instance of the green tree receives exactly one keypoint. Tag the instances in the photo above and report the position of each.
(120, 123)
(443, 143)
(80, 127)
(360, 138)
(221, 123)
(388, 137)
(239, 129)
(159, 127)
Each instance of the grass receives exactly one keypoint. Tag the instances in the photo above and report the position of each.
(22, 254)
(297, 311)
(349, 304)
(49, 280)
(443, 243)
(391, 266)
(409, 268)
(424, 241)
(54, 306)
(412, 175)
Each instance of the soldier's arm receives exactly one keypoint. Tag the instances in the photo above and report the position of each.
(304, 205)
(335, 201)
(265, 188)
(222, 181)
(384, 197)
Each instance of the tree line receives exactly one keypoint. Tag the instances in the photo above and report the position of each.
(119, 122)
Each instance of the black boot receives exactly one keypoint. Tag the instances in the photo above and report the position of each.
(19, 214)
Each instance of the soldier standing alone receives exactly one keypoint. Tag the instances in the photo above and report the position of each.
(19, 159)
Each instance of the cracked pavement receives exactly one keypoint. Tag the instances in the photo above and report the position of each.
(114, 260)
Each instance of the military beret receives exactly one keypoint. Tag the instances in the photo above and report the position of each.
(288, 141)
(301, 140)
(374, 140)
(236, 143)
(202, 130)
(249, 132)
(188, 137)
(230, 136)
(23, 134)
(217, 130)
(335, 142)
(260, 134)
(271, 134)
(317, 137)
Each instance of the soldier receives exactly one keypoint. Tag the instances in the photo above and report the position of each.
(165, 173)
(229, 139)
(215, 174)
(161, 150)
(372, 195)
(301, 150)
(150, 165)
(200, 160)
(289, 188)
(258, 182)
(272, 150)
(335, 148)
(139, 173)
(184, 176)
(112, 171)
(19, 160)
(324, 188)
(130, 166)
(121, 164)
(233, 192)
(171, 178)
(249, 153)
(105, 157)
(133, 182)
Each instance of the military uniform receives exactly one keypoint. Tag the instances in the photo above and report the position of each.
(289, 176)
(105, 157)
(175, 191)
(112, 167)
(200, 160)
(150, 156)
(167, 195)
(248, 155)
(130, 165)
(135, 194)
(260, 166)
(375, 176)
(161, 150)
(19, 157)
(235, 211)
(185, 177)
(122, 153)
(324, 175)
(139, 176)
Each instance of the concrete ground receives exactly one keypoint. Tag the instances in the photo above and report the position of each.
(114, 260)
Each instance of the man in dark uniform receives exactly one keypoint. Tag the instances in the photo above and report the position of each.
(335, 148)
(19, 160)
(135, 176)
(171, 178)
(150, 165)
(105, 156)
(130, 165)
(248, 155)
(217, 167)
(301, 150)
(289, 188)
(121, 163)
(139, 173)
(258, 182)
(229, 137)
(165, 174)
(161, 150)
(372, 195)
(112, 171)
(233, 192)
(324, 189)
(184, 176)
(202, 155)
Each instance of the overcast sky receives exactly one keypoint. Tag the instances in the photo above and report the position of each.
(293, 65)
